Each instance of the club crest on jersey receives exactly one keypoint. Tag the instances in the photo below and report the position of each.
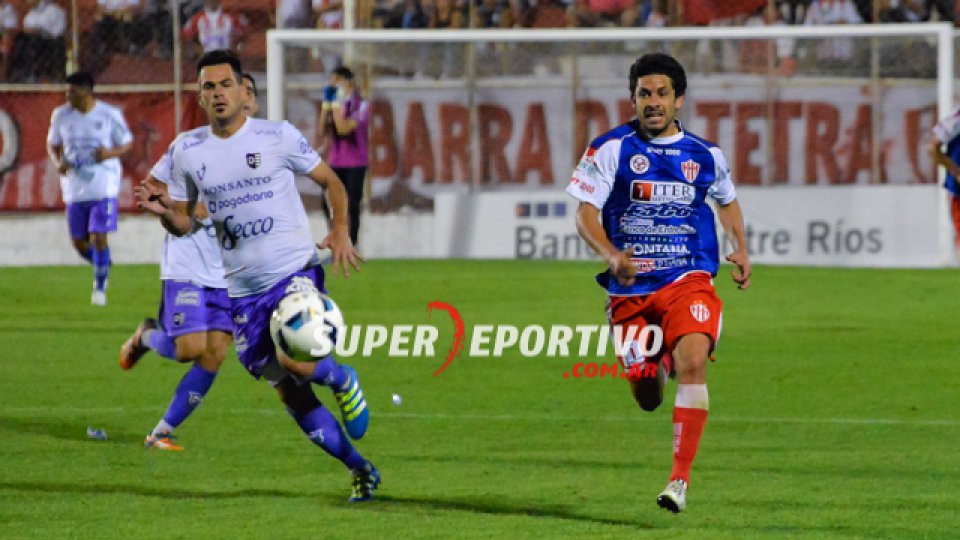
(700, 311)
(639, 163)
(253, 160)
(690, 169)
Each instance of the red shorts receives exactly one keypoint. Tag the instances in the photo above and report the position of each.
(955, 215)
(688, 306)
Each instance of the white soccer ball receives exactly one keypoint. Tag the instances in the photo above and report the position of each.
(306, 325)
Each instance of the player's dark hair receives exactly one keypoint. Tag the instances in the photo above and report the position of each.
(81, 78)
(222, 56)
(658, 64)
(253, 83)
(343, 72)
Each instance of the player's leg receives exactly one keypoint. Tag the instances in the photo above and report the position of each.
(201, 339)
(344, 382)
(955, 217)
(189, 393)
(691, 326)
(340, 378)
(324, 431)
(152, 335)
(78, 218)
(645, 376)
(103, 220)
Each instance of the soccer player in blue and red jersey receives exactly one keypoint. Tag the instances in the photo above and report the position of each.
(643, 190)
(947, 132)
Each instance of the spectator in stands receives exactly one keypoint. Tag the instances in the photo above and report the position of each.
(39, 52)
(157, 25)
(448, 15)
(295, 14)
(119, 27)
(793, 11)
(329, 13)
(492, 14)
(9, 24)
(608, 12)
(579, 15)
(648, 13)
(544, 14)
(834, 52)
(213, 28)
(754, 53)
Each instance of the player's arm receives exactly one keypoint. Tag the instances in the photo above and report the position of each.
(55, 151)
(175, 216)
(731, 218)
(592, 232)
(103, 153)
(935, 149)
(338, 240)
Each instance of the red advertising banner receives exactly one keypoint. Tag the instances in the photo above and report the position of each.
(28, 180)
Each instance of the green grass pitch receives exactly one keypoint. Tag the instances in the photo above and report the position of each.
(833, 415)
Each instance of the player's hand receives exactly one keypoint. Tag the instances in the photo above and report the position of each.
(344, 253)
(741, 270)
(623, 268)
(152, 197)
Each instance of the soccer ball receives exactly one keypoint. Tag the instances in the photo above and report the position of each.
(306, 325)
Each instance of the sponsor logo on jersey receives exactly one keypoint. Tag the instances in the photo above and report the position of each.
(665, 249)
(300, 284)
(253, 160)
(241, 319)
(700, 311)
(639, 163)
(645, 266)
(253, 181)
(187, 297)
(233, 232)
(652, 192)
(690, 170)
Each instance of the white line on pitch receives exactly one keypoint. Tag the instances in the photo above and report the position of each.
(53, 410)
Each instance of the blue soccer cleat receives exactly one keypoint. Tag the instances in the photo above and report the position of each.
(365, 482)
(353, 408)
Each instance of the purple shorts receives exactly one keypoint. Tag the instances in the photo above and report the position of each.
(87, 217)
(251, 318)
(188, 308)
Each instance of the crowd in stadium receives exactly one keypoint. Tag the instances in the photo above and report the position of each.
(36, 36)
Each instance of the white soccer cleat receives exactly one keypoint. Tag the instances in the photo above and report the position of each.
(98, 298)
(674, 496)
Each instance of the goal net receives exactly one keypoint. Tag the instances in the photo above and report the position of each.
(480, 111)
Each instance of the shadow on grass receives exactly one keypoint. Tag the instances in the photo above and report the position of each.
(73, 430)
(498, 507)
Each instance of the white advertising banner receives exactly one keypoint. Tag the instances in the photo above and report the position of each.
(880, 226)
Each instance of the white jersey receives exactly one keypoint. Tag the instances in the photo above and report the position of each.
(80, 134)
(195, 256)
(247, 183)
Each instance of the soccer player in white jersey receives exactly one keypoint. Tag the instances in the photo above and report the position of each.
(643, 189)
(195, 325)
(242, 169)
(86, 139)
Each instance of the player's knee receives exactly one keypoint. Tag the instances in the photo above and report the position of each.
(81, 245)
(299, 398)
(212, 358)
(189, 351)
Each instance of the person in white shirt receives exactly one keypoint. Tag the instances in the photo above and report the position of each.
(39, 51)
(87, 137)
(194, 324)
(242, 170)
